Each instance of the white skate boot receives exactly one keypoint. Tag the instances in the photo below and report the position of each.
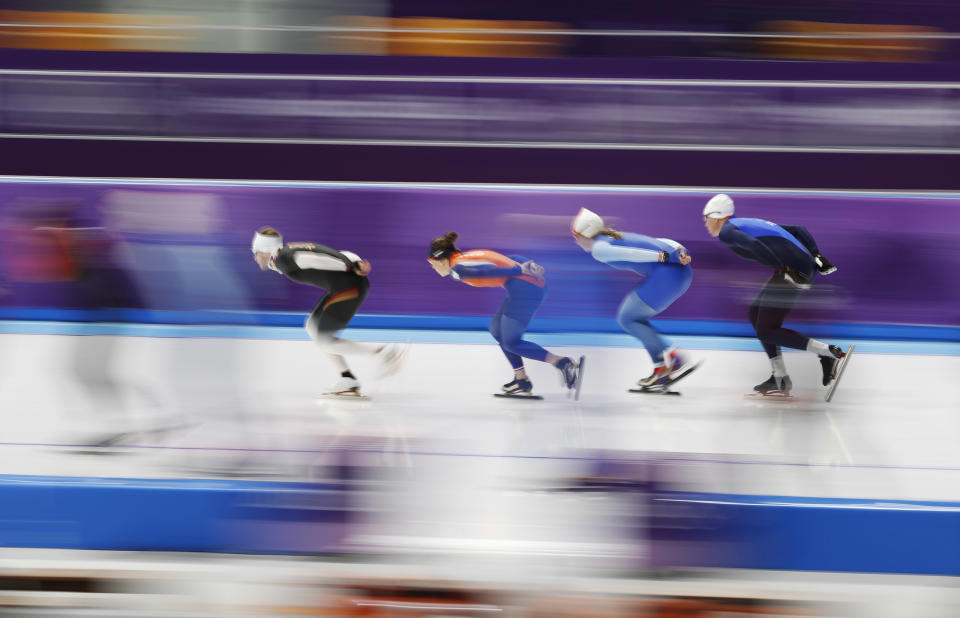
(344, 388)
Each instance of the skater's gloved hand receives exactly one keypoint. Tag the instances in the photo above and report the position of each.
(531, 269)
(362, 268)
(680, 256)
(824, 266)
(796, 278)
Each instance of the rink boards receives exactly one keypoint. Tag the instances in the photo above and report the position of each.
(719, 531)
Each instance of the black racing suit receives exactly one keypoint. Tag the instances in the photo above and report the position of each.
(332, 270)
(789, 250)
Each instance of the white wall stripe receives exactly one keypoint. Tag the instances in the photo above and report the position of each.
(482, 144)
(594, 81)
(499, 187)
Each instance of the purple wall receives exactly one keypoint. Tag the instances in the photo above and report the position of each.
(893, 120)
(650, 114)
(187, 248)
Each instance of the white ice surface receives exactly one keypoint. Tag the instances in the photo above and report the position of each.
(890, 433)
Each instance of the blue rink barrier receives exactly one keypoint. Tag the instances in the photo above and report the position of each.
(804, 534)
(106, 321)
(684, 529)
(171, 515)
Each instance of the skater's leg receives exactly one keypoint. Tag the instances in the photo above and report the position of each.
(754, 315)
(662, 287)
(496, 330)
(767, 315)
(777, 366)
(339, 362)
(513, 343)
(633, 316)
(768, 312)
(331, 315)
(522, 301)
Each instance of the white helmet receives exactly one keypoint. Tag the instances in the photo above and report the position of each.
(266, 244)
(587, 223)
(720, 206)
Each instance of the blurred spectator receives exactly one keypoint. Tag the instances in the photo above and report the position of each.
(528, 28)
(171, 244)
(59, 254)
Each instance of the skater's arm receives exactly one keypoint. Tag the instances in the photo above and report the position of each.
(486, 271)
(824, 266)
(622, 257)
(308, 260)
(311, 256)
(806, 238)
(357, 264)
(679, 254)
(527, 266)
(749, 247)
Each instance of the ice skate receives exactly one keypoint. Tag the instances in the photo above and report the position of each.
(571, 375)
(773, 388)
(841, 366)
(657, 378)
(679, 364)
(344, 388)
(675, 367)
(391, 358)
(829, 364)
(657, 383)
(518, 389)
(655, 389)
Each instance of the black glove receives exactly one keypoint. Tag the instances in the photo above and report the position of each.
(824, 266)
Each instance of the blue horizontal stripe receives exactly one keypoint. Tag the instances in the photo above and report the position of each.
(457, 337)
(710, 328)
(809, 501)
(8, 480)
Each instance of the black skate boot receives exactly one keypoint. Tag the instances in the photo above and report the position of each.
(568, 372)
(518, 388)
(829, 364)
(775, 387)
(571, 375)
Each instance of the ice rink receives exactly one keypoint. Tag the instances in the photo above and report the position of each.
(468, 484)
(208, 405)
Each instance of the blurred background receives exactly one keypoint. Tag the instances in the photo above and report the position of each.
(164, 452)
